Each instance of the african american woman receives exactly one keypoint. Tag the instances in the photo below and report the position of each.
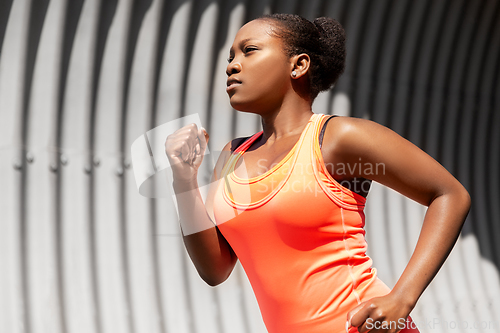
(288, 201)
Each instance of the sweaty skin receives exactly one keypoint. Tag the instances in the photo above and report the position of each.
(260, 82)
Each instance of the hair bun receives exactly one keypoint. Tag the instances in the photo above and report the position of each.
(332, 40)
(330, 30)
(326, 25)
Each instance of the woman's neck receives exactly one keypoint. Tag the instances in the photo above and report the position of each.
(289, 119)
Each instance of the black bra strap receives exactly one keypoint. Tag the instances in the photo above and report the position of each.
(323, 130)
(350, 184)
(242, 141)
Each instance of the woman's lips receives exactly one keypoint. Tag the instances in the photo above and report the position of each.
(232, 86)
(232, 82)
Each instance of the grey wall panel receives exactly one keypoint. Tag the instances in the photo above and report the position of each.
(487, 54)
(13, 315)
(171, 258)
(143, 293)
(82, 251)
(458, 85)
(42, 219)
(368, 57)
(354, 15)
(381, 66)
(16, 318)
(5, 7)
(113, 275)
(404, 67)
(437, 12)
(494, 156)
(440, 76)
(477, 118)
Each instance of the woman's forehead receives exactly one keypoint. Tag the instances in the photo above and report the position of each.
(256, 29)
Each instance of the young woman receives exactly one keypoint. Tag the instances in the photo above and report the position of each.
(288, 201)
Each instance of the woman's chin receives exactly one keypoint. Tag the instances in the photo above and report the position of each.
(239, 105)
(251, 105)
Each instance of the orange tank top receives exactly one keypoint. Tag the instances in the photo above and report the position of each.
(299, 236)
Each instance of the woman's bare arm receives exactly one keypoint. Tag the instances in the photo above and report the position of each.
(405, 168)
(209, 251)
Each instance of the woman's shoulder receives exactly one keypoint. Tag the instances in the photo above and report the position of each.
(349, 123)
(345, 128)
(349, 137)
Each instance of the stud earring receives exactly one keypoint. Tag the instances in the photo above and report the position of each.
(294, 73)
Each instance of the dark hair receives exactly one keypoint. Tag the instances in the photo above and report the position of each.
(322, 39)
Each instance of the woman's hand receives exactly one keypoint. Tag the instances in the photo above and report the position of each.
(185, 149)
(387, 314)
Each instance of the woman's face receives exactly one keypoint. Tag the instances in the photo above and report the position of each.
(258, 70)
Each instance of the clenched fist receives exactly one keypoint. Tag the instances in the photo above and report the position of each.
(185, 149)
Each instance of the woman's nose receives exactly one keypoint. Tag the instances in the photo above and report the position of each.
(233, 67)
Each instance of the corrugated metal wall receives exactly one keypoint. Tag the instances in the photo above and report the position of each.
(82, 251)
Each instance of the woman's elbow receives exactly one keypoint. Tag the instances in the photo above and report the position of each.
(465, 199)
(219, 274)
(461, 198)
(214, 280)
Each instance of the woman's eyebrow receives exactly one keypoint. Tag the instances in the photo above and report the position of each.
(242, 42)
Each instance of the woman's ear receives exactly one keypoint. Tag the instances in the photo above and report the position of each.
(300, 65)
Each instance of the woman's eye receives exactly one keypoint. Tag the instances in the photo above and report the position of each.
(245, 50)
(250, 48)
